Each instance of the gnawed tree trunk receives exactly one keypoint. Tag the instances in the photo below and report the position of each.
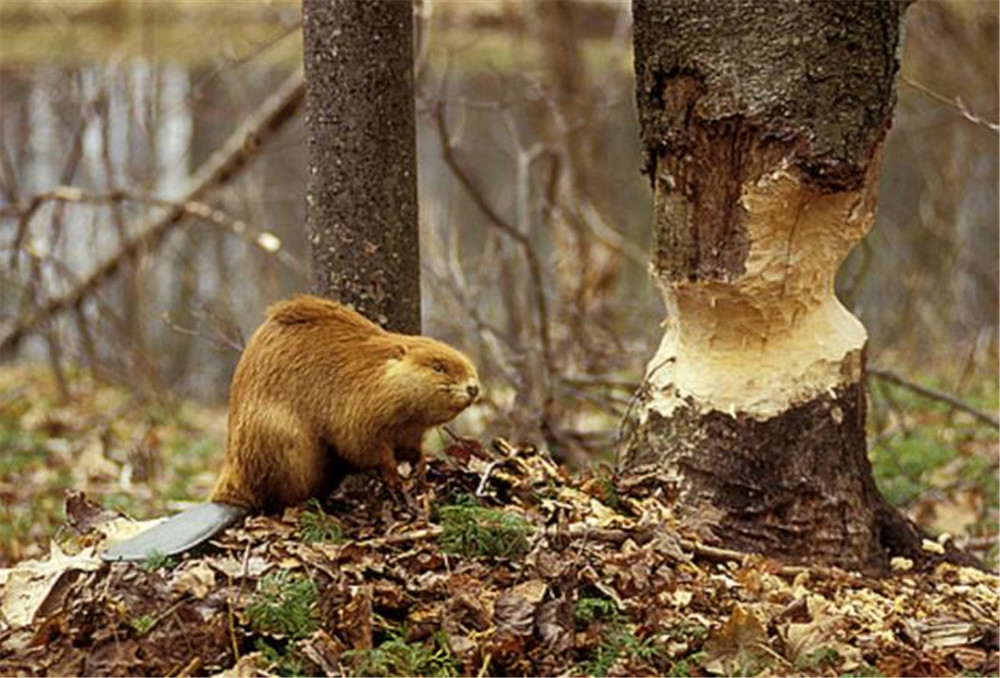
(762, 123)
(361, 206)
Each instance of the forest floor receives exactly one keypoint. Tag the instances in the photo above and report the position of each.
(506, 565)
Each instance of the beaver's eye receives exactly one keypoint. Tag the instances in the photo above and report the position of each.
(439, 367)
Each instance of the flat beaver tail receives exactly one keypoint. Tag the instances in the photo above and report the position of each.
(306, 309)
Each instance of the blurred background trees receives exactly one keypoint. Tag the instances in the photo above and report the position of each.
(535, 219)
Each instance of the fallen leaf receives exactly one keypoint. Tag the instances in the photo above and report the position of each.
(247, 666)
(197, 580)
(555, 624)
(28, 585)
(514, 613)
(83, 515)
(323, 651)
(740, 640)
(532, 590)
(803, 639)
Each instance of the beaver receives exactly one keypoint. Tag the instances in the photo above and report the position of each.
(320, 388)
(319, 391)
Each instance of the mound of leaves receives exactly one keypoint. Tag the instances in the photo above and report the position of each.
(502, 565)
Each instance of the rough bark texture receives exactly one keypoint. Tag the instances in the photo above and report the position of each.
(362, 195)
(761, 122)
(771, 480)
(725, 87)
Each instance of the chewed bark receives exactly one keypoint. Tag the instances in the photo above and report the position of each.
(762, 127)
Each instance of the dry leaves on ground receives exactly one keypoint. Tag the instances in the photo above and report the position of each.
(505, 566)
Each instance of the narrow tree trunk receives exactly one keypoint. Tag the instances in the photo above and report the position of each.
(762, 122)
(362, 196)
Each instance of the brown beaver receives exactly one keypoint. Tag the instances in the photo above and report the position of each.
(320, 387)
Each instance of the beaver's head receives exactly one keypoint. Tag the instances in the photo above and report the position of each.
(437, 380)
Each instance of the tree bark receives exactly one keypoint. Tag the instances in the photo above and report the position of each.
(762, 123)
(361, 205)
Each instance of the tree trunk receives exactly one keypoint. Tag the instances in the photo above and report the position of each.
(361, 206)
(762, 123)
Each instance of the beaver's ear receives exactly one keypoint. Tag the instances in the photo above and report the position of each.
(398, 352)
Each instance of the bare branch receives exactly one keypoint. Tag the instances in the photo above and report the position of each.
(220, 339)
(933, 394)
(955, 103)
(508, 229)
(221, 167)
(259, 238)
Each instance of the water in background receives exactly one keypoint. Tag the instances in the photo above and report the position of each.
(924, 282)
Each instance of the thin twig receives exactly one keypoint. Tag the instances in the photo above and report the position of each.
(65, 176)
(481, 488)
(955, 103)
(934, 394)
(643, 536)
(234, 63)
(221, 340)
(412, 535)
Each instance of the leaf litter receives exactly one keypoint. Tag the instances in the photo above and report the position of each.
(505, 565)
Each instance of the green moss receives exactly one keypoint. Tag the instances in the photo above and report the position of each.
(902, 463)
(863, 671)
(284, 605)
(609, 491)
(617, 642)
(682, 667)
(316, 526)
(123, 503)
(22, 453)
(283, 661)
(21, 448)
(141, 625)
(469, 530)
(158, 561)
(588, 609)
(687, 631)
(617, 639)
(819, 660)
(396, 657)
(931, 445)
(189, 457)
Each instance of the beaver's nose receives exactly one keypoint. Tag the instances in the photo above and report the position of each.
(472, 390)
